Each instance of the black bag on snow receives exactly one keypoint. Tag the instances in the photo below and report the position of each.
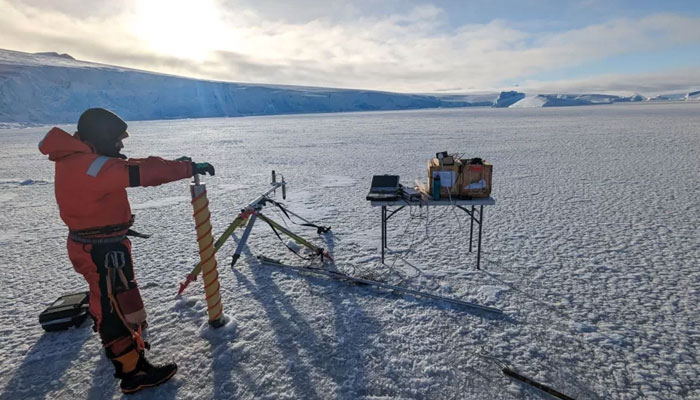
(69, 310)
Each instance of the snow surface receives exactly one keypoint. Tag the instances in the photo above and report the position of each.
(592, 252)
(530, 102)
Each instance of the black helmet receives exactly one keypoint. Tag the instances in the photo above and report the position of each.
(101, 128)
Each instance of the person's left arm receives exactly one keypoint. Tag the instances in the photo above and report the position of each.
(153, 171)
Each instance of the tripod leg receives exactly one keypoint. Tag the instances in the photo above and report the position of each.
(300, 240)
(234, 225)
(244, 239)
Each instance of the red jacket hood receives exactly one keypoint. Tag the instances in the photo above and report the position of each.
(58, 144)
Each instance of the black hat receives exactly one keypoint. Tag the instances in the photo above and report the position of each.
(101, 128)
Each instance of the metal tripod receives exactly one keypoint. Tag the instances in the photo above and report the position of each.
(256, 213)
(249, 214)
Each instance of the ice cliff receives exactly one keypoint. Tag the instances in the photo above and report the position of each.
(55, 88)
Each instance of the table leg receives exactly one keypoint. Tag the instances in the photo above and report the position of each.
(471, 229)
(383, 231)
(478, 251)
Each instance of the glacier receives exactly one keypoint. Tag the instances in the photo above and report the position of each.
(692, 96)
(563, 100)
(55, 88)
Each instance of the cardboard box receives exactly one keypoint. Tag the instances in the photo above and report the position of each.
(449, 178)
(476, 180)
(461, 180)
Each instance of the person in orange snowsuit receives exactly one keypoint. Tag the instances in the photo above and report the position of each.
(90, 186)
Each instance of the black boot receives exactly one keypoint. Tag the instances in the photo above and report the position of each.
(146, 375)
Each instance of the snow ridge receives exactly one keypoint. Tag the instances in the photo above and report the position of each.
(562, 100)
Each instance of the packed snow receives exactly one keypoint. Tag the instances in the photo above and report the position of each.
(530, 102)
(592, 252)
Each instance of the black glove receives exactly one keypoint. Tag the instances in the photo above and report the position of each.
(184, 158)
(202, 168)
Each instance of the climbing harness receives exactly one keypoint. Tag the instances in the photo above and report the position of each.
(106, 234)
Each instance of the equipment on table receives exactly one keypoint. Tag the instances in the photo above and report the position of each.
(459, 178)
(444, 158)
(384, 188)
(69, 310)
(436, 187)
(409, 194)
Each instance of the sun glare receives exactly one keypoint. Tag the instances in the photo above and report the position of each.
(184, 29)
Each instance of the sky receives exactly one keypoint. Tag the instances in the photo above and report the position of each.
(605, 46)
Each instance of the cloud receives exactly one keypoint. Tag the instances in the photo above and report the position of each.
(622, 36)
(675, 81)
(411, 50)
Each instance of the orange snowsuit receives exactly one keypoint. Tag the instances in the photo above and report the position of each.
(91, 194)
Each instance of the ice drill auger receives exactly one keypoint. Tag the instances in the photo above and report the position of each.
(207, 252)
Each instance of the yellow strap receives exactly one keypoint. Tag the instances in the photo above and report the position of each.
(109, 289)
(135, 335)
(123, 278)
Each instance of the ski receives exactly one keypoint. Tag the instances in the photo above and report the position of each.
(347, 278)
(509, 372)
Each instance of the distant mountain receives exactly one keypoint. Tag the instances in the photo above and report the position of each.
(563, 100)
(507, 99)
(475, 100)
(567, 100)
(692, 96)
(55, 88)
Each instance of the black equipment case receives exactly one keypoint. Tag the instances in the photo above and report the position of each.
(69, 310)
